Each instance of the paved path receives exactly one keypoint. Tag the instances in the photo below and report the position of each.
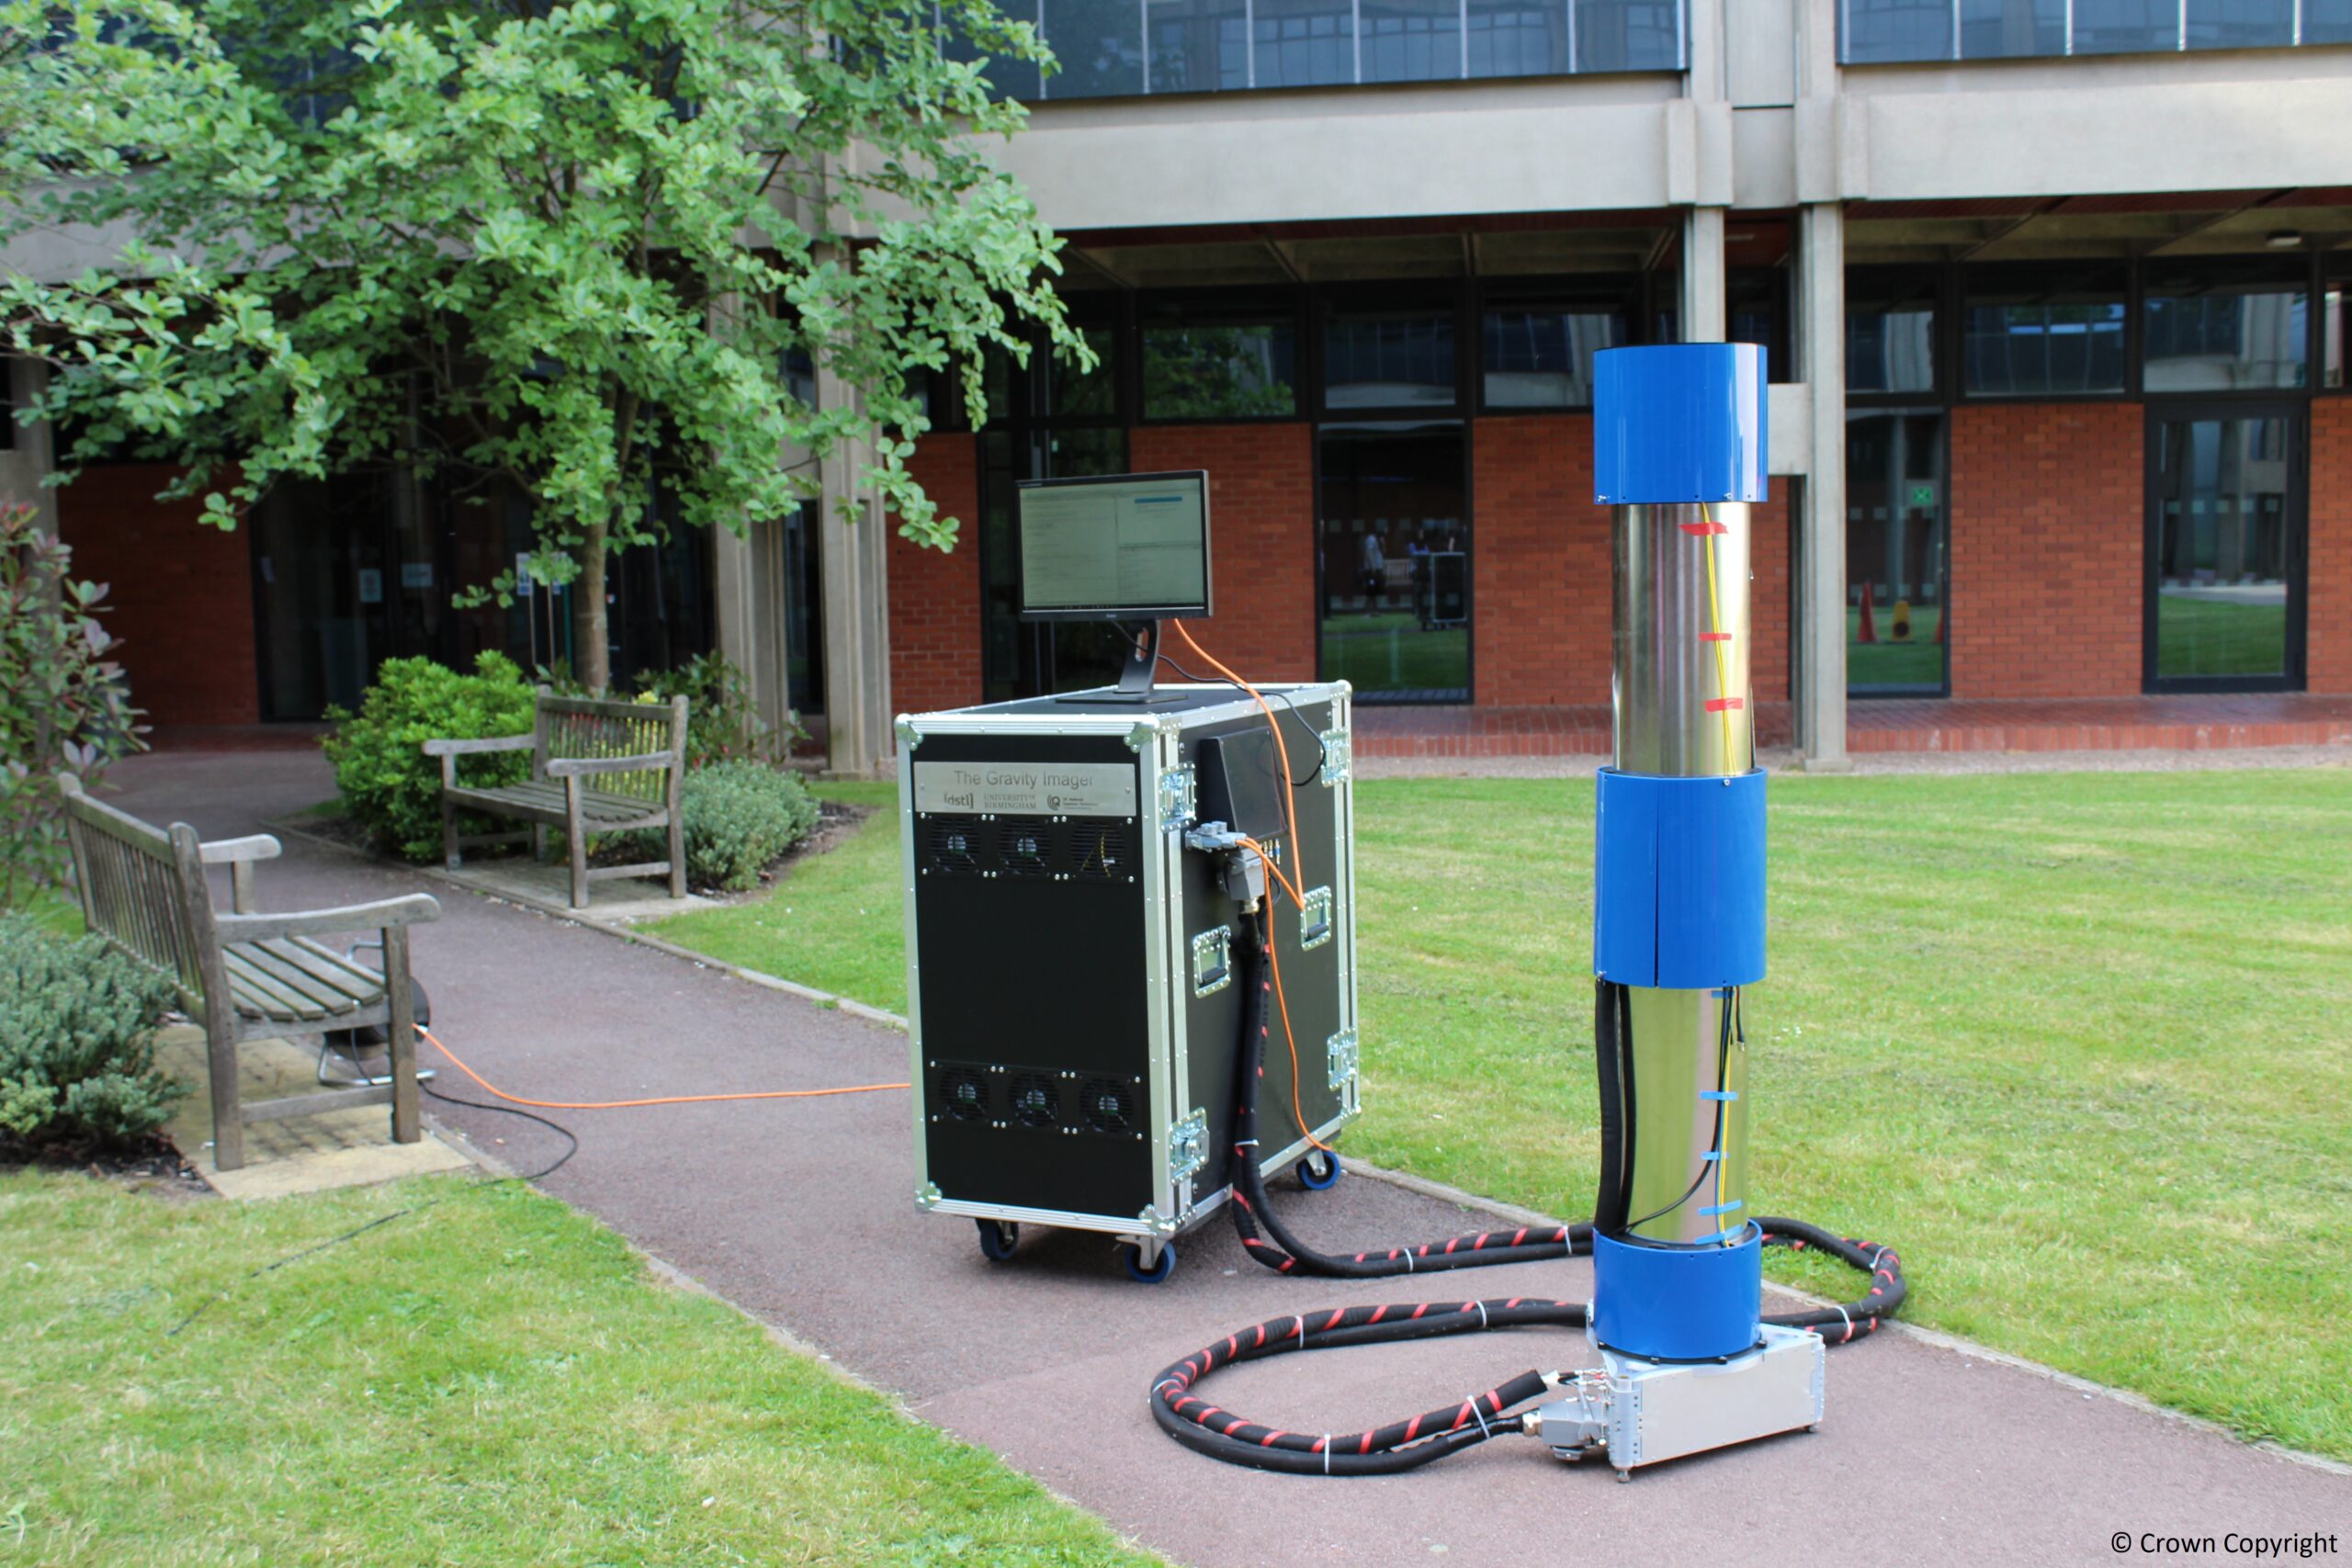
(801, 1212)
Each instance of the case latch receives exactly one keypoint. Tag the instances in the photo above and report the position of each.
(1338, 757)
(1176, 800)
(1188, 1145)
(1212, 961)
(1340, 1055)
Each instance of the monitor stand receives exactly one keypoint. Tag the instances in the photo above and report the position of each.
(1134, 675)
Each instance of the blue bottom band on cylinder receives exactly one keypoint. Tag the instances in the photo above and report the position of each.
(1677, 1303)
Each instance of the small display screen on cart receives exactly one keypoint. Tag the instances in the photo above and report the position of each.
(1122, 547)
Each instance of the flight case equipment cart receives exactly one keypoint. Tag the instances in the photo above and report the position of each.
(1072, 968)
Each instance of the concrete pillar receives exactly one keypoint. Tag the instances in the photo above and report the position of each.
(25, 454)
(1819, 644)
(1703, 292)
(752, 611)
(855, 566)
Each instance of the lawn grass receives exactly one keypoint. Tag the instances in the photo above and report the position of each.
(2076, 1042)
(823, 918)
(51, 911)
(495, 1380)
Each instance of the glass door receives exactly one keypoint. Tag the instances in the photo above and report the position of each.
(1895, 552)
(1395, 550)
(2225, 548)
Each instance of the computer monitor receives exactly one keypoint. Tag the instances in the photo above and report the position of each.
(1115, 547)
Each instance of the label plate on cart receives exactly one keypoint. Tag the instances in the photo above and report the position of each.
(1027, 789)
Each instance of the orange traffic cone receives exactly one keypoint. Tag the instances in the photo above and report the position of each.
(1869, 632)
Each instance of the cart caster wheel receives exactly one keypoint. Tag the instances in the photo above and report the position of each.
(1157, 1270)
(998, 1238)
(1320, 1171)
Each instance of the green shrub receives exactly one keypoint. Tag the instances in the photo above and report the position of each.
(739, 817)
(64, 705)
(723, 725)
(389, 786)
(77, 1038)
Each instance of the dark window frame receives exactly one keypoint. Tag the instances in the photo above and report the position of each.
(1941, 408)
(2296, 411)
(1232, 308)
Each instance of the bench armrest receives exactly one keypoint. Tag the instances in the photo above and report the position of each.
(651, 762)
(466, 747)
(238, 855)
(414, 908)
(236, 852)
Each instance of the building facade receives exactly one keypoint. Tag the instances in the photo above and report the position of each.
(2051, 289)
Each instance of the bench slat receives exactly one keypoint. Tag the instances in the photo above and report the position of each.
(301, 977)
(259, 994)
(602, 810)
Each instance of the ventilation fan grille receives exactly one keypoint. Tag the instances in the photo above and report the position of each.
(953, 844)
(1108, 1105)
(1035, 1100)
(1027, 848)
(1102, 851)
(964, 1094)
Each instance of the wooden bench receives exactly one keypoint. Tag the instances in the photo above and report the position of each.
(596, 767)
(246, 976)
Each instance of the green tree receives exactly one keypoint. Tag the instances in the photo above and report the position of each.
(569, 250)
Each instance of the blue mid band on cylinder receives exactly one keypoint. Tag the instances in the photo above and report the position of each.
(1678, 423)
(1679, 881)
(1677, 1303)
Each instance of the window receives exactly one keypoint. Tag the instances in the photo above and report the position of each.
(1895, 550)
(2125, 26)
(1878, 31)
(2241, 24)
(1628, 35)
(1304, 43)
(1757, 311)
(1540, 356)
(2001, 29)
(1411, 41)
(1389, 359)
(2224, 574)
(1218, 369)
(2225, 329)
(1010, 77)
(1890, 332)
(1198, 46)
(2043, 329)
(1070, 390)
(1520, 38)
(1098, 48)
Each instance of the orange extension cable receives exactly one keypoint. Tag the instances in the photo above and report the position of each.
(1290, 808)
(458, 1063)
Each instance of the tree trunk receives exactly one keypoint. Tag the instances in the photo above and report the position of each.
(592, 662)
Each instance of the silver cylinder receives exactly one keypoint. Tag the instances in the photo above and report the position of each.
(1681, 641)
(1684, 709)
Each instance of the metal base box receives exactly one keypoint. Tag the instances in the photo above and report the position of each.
(1071, 966)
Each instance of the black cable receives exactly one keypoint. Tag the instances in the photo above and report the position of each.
(1225, 1436)
(570, 1139)
(1322, 753)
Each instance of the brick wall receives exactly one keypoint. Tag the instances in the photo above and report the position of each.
(181, 593)
(1540, 595)
(1769, 593)
(2048, 536)
(1261, 539)
(2328, 597)
(934, 599)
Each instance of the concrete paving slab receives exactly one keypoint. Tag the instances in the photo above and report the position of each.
(801, 1212)
(347, 1147)
(623, 900)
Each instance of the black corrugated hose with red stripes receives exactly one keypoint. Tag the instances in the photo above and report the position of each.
(1404, 1445)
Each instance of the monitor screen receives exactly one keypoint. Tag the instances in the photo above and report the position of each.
(1120, 547)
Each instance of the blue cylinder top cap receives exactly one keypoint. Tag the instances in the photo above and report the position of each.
(1678, 423)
